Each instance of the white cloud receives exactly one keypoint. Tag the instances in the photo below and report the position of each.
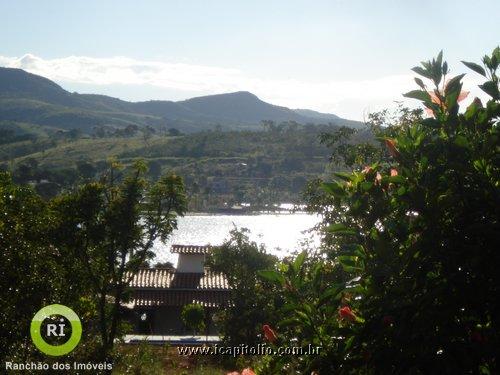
(349, 98)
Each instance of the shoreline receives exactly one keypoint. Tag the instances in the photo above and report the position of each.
(244, 213)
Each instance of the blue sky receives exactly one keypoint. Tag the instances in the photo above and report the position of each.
(340, 56)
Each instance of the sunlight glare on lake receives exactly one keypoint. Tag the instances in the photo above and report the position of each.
(281, 233)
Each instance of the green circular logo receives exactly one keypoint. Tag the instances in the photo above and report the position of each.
(55, 330)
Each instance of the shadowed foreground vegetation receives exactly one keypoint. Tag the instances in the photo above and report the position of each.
(405, 281)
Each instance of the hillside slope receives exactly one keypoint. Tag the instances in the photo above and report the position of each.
(29, 98)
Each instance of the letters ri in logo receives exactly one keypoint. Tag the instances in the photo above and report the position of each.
(56, 330)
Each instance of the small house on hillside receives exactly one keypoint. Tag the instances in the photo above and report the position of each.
(159, 294)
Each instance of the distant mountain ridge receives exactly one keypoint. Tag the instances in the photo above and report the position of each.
(26, 97)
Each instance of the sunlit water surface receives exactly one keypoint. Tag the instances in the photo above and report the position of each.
(281, 233)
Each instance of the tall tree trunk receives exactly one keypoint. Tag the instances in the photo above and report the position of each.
(102, 323)
(115, 315)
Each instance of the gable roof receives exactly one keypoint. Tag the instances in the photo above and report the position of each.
(207, 298)
(191, 249)
(166, 287)
(162, 278)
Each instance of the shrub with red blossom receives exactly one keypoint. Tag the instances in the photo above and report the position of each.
(411, 239)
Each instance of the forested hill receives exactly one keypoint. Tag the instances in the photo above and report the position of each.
(32, 99)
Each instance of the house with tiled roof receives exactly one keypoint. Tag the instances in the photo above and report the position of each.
(159, 294)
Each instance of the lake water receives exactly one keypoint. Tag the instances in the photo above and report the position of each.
(281, 233)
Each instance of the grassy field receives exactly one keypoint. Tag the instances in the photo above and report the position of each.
(65, 154)
(220, 168)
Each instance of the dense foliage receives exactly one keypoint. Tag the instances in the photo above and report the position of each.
(220, 168)
(193, 317)
(239, 259)
(408, 281)
(29, 267)
(81, 249)
(110, 228)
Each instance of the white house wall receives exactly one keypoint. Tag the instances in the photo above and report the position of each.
(191, 263)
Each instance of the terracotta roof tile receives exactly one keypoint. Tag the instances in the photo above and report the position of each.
(167, 297)
(158, 278)
(190, 249)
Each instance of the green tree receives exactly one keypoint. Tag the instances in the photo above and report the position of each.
(109, 227)
(147, 133)
(173, 132)
(154, 169)
(29, 269)
(347, 152)
(26, 171)
(193, 316)
(74, 134)
(85, 169)
(413, 238)
(251, 304)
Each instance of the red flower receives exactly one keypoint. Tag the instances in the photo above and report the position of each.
(367, 170)
(437, 99)
(346, 313)
(476, 336)
(269, 333)
(289, 287)
(394, 172)
(391, 147)
(388, 320)
(247, 371)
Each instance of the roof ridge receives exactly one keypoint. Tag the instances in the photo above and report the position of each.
(167, 278)
(191, 249)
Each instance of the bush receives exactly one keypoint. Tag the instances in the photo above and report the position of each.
(251, 305)
(193, 317)
(411, 243)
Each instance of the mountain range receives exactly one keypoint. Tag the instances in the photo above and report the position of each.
(33, 99)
